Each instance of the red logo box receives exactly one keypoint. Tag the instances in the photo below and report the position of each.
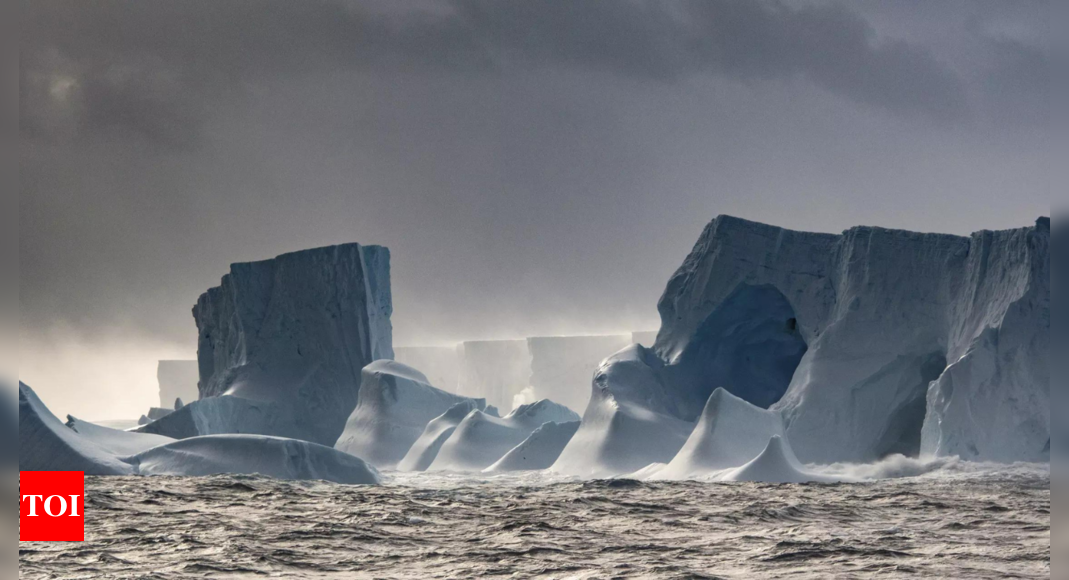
(51, 506)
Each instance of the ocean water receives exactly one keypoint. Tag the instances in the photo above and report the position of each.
(955, 521)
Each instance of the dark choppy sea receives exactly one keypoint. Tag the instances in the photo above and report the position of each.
(991, 523)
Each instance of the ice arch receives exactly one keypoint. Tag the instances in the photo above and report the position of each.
(750, 345)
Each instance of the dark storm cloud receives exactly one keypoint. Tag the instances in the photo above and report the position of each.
(152, 69)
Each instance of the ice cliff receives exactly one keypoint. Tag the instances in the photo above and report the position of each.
(481, 439)
(178, 380)
(296, 331)
(842, 335)
(396, 403)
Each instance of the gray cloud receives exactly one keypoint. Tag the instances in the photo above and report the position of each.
(535, 167)
(151, 69)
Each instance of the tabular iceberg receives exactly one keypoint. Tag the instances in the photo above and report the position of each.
(436, 433)
(296, 330)
(395, 405)
(539, 451)
(842, 335)
(481, 439)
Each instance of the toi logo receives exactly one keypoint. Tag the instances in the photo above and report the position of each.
(51, 506)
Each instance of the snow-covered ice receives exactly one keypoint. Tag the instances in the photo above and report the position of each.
(776, 464)
(481, 439)
(47, 444)
(422, 453)
(296, 330)
(729, 434)
(254, 454)
(539, 451)
(395, 405)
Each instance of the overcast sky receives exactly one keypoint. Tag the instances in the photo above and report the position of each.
(536, 167)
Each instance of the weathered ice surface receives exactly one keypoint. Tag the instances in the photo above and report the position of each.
(295, 331)
(396, 403)
(539, 451)
(46, 444)
(851, 329)
(776, 464)
(225, 415)
(481, 439)
(731, 432)
(495, 370)
(631, 421)
(178, 380)
(563, 366)
(254, 454)
(993, 401)
(426, 448)
(440, 364)
(114, 441)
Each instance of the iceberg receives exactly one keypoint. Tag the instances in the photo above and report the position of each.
(539, 451)
(481, 439)
(495, 370)
(396, 403)
(226, 415)
(631, 421)
(295, 331)
(848, 337)
(440, 364)
(114, 441)
(254, 454)
(776, 464)
(729, 434)
(562, 366)
(423, 452)
(178, 380)
(46, 444)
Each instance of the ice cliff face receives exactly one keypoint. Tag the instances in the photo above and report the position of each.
(395, 405)
(842, 335)
(178, 380)
(296, 331)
